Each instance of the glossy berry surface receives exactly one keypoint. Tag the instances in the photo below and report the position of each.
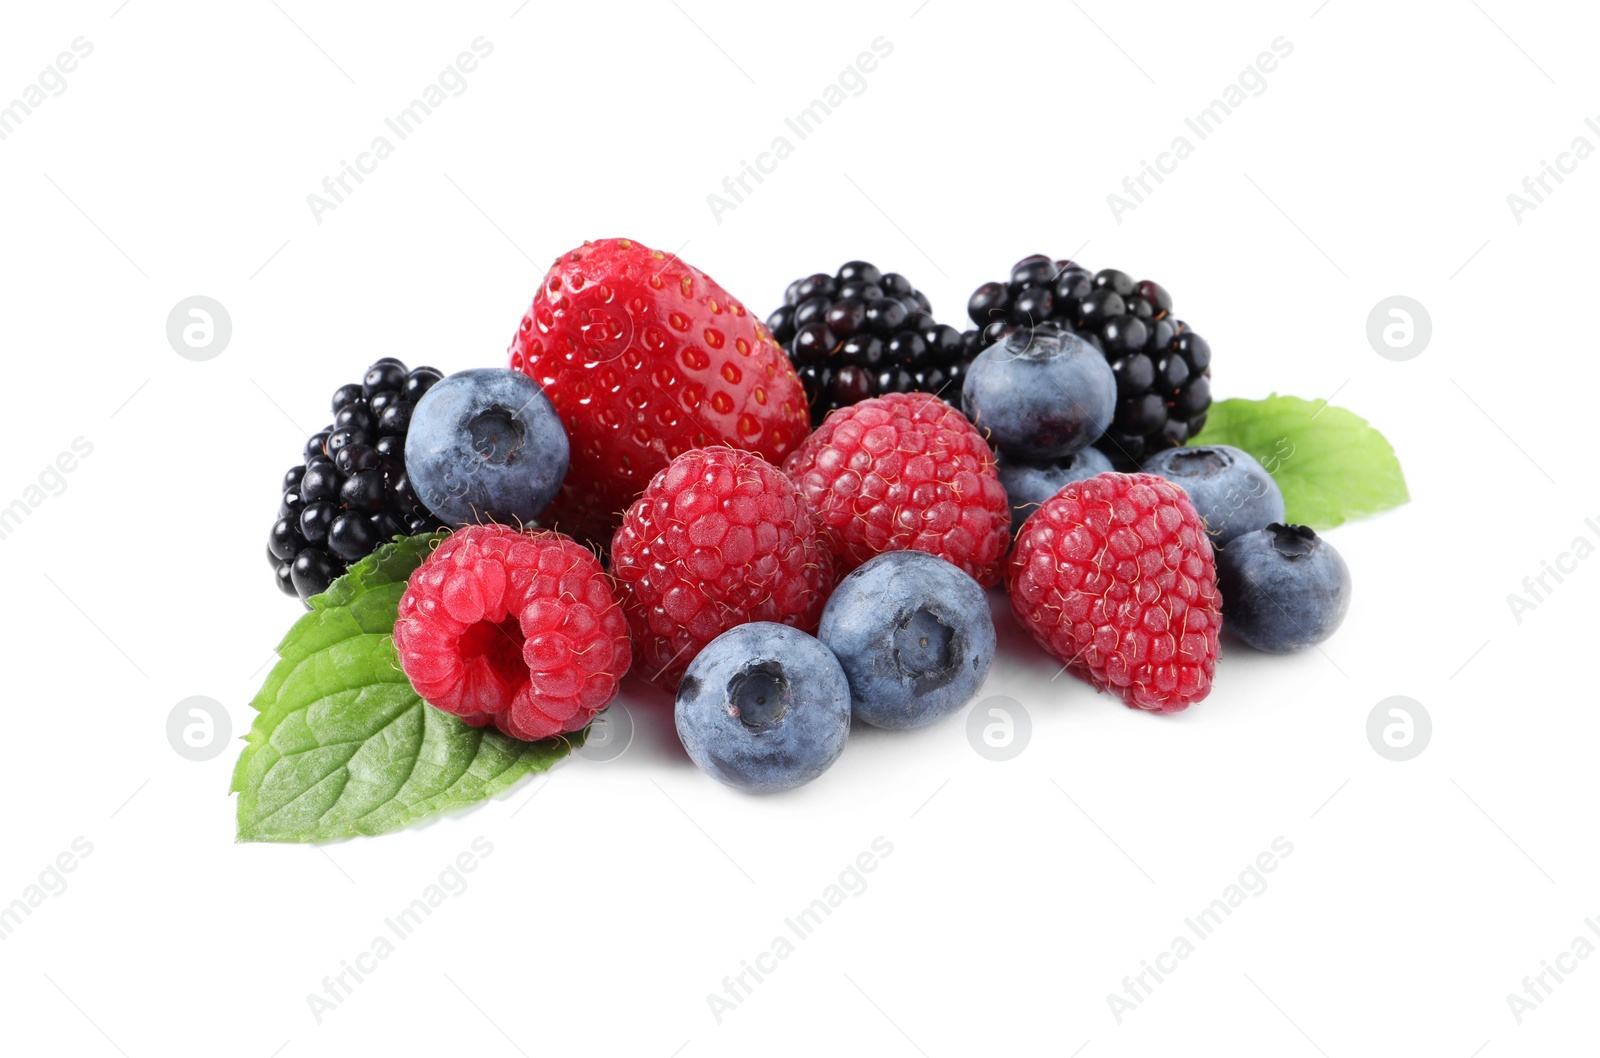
(1115, 577)
(1232, 492)
(914, 636)
(861, 333)
(351, 493)
(1028, 485)
(486, 446)
(1284, 588)
(519, 629)
(903, 472)
(763, 708)
(719, 538)
(645, 357)
(1040, 393)
(1162, 367)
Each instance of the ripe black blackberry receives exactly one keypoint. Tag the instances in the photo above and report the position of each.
(1163, 368)
(351, 493)
(862, 333)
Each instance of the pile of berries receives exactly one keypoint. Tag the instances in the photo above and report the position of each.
(639, 488)
(351, 493)
(861, 333)
(1162, 367)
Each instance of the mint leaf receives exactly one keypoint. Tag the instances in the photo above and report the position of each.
(1331, 465)
(342, 745)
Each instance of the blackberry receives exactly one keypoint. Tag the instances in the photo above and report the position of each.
(351, 493)
(1162, 367)
(862, 333)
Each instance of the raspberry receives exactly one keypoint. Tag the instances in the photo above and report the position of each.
(521, 630)
(1115, 577)
(719, 538)
(644, 358)
(904, 472)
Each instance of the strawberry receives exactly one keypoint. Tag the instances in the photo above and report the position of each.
(644, 358)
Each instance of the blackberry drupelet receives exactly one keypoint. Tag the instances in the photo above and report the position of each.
(351, 493)
(1162, 367)
(862, 333)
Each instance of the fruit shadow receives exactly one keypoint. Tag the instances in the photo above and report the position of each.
(655, 735)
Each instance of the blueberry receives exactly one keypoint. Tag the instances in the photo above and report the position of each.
(1232, 492)
(1028, 485)
(1284, 588)
(764, 707)
(485, 445)
(1041, 393)
(914, 636)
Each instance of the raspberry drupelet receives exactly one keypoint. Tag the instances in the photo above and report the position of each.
(905, 472)
(1115, 577)
(720, 538)
(523, 630)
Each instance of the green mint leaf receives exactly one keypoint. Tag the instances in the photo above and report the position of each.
(1331, 465)
(342, 745)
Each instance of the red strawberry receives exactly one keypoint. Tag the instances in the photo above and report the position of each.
(646, 357)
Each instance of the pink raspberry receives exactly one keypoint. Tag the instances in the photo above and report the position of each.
(519, 629)
(719, 538)
(1115, 577)
(905, 472)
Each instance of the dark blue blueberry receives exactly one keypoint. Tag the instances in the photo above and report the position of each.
(485, 445)
(1040, 393)
(763, 708)
(1028, 485)
(1228, 487)
(914, 636)
(1284, 588)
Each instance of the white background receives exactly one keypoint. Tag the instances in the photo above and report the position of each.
(1376, 162)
